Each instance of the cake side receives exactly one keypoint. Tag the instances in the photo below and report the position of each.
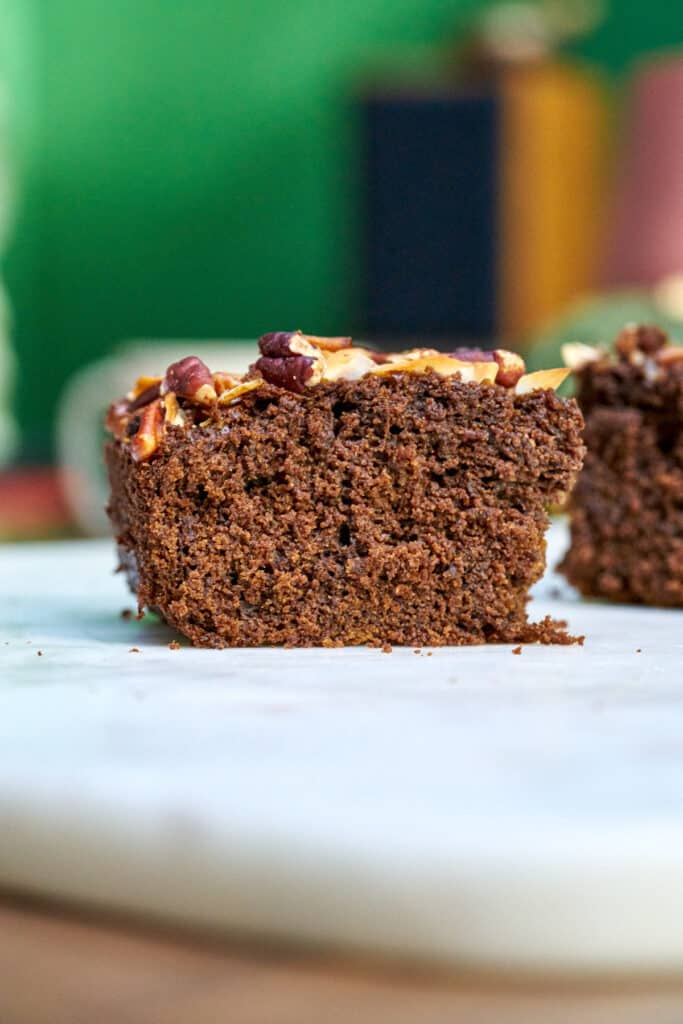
(400, 507)
(626, 511)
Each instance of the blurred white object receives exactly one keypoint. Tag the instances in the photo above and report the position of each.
(80, 432)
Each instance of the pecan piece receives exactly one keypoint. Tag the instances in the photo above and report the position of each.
(637, 340)
(510, 365)
(190, 378)
(145, 396)
(473, 355)
(289, 360)
(150, 433)
(117, 419)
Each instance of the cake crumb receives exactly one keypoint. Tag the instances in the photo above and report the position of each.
(386, 649)
(429, 653)
(174, 645)
(126, 614)
(134, 650)
(639, 650)
(517, 650)
(39, 653)
(418, 650)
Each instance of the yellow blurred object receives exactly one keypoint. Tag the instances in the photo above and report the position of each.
(555, 142)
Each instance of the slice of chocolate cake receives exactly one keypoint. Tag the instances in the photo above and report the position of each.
(338, 496)
(626, 512)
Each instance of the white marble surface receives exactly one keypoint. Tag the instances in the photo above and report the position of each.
(470, 806)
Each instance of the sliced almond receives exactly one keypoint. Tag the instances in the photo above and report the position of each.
(445, 365)
(173, 414)
(348, 364)
(575, 354)
(223, 381)
(541, 380)
(329, 344)
(240, 389)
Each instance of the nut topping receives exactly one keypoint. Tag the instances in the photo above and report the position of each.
(329, 344)
(348, 364)
(575, 354)
(189, 392)
(117, 417)
(541, 380)
(242, 388)
(473, 355)
(671, 354)
(225, 381)
(638, 340)
(289, 360)
(447, 366)
(150, 433)
(141, 397)
(190, 378)
(510, 365)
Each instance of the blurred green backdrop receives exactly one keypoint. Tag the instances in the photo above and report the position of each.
(187, 167)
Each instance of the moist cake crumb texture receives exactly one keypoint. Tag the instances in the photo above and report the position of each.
(339, 496)
(626, 511)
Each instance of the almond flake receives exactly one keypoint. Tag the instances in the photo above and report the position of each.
(348, 364)
(541, 380)
(445, 365)
(240, 389)
(328, 344)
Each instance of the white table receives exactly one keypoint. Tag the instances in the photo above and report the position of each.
(466, 806)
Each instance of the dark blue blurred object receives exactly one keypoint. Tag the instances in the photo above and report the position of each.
(431, 215)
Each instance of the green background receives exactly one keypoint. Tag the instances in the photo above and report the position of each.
(188, 167)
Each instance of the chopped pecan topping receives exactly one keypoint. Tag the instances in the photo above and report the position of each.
(511, 367)
(473, 355)
(190, 378)
(638, 340)
(147, 430)
(150, 433)
(289, 360)
(145, 396)
(296, 361)
(117, 418)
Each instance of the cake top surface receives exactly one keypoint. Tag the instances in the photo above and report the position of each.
(190, 393)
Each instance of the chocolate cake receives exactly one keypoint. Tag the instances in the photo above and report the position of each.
(626, 512)
(335, 495)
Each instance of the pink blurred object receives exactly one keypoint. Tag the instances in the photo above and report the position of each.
(645, 243)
